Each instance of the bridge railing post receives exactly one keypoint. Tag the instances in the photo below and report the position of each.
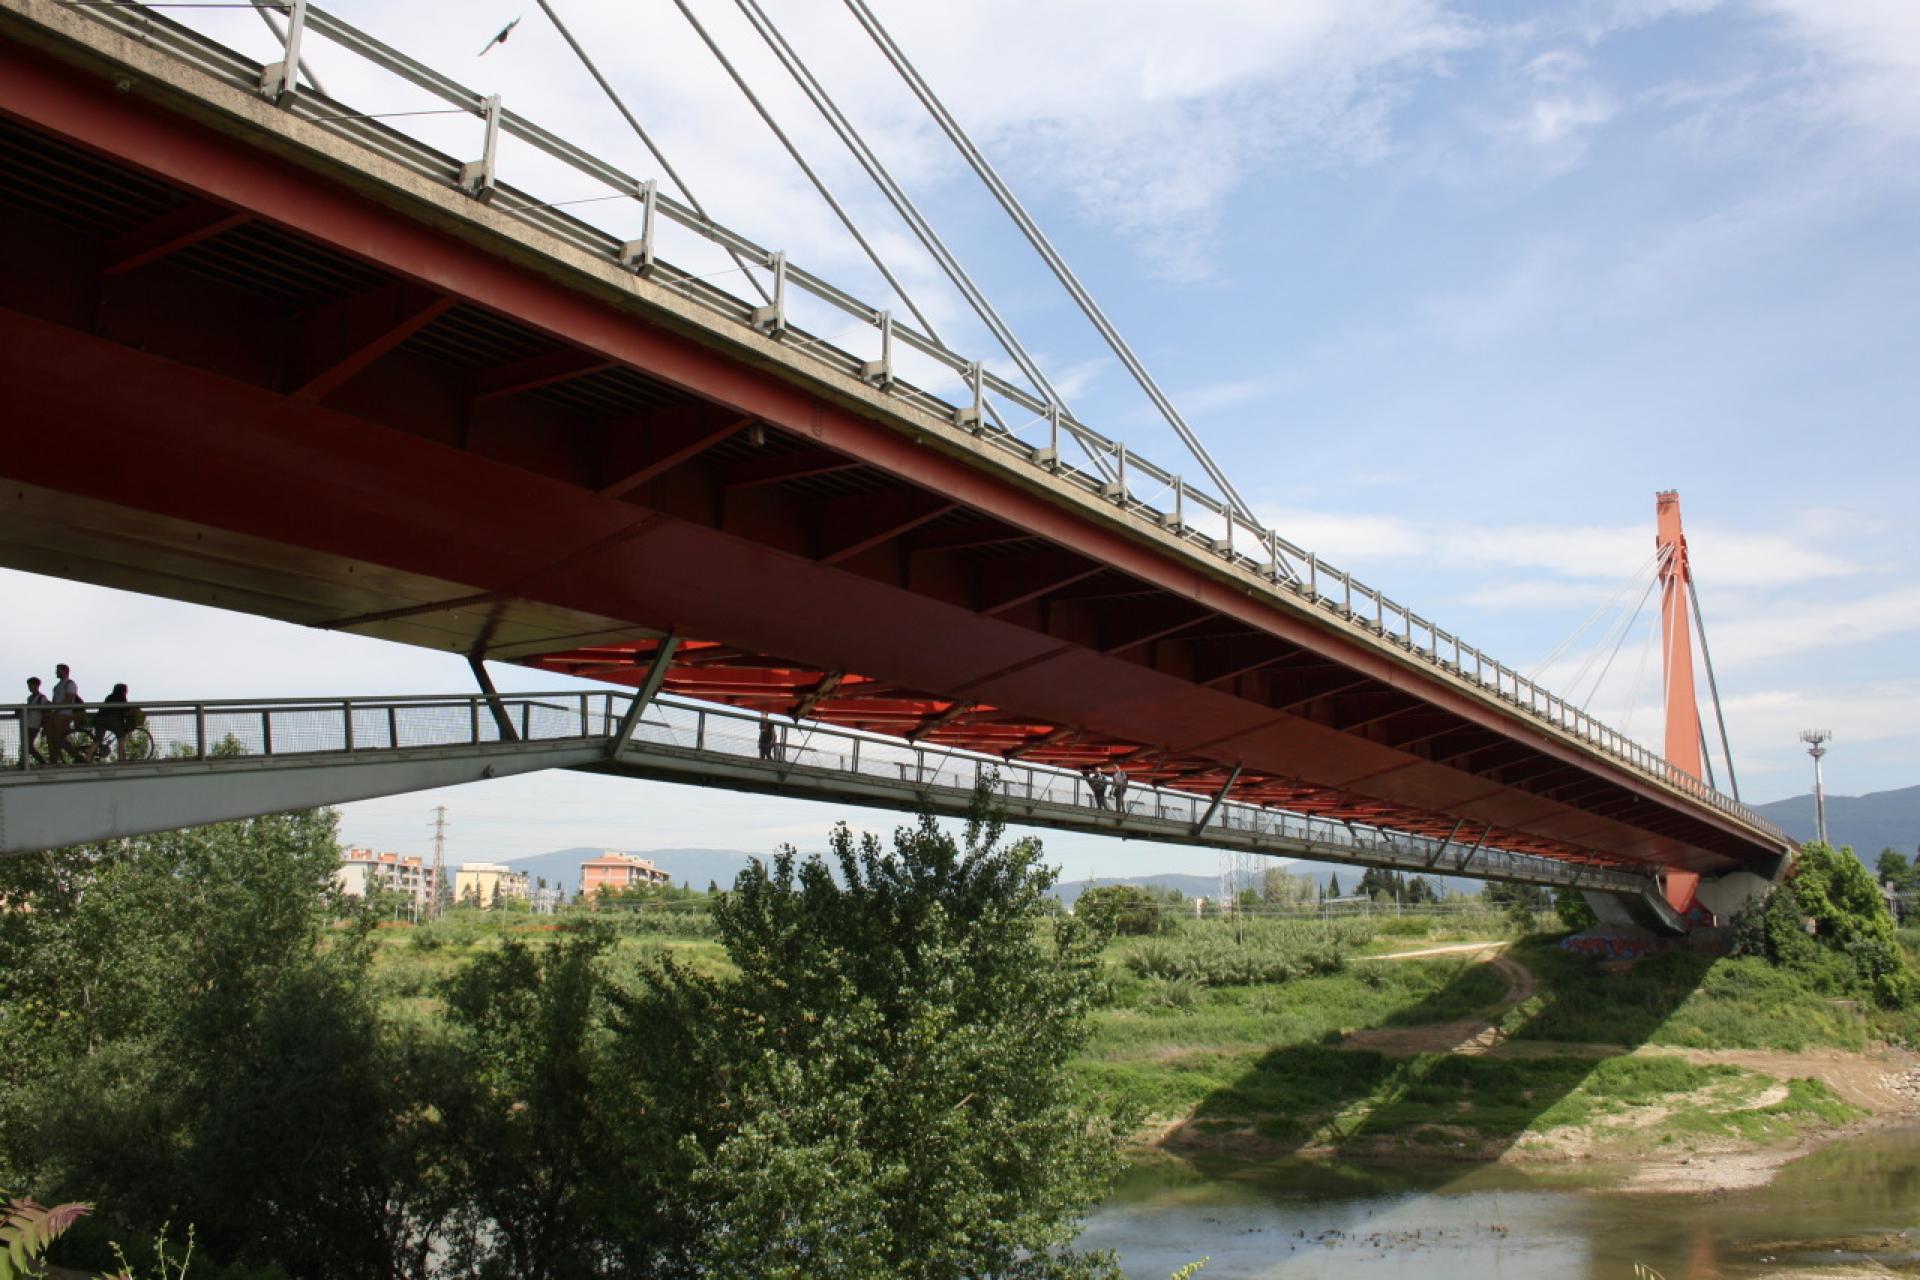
(278, 79)
(393, 726)
(266, 731)
(477, 176)
(473, 720)
(346, 722)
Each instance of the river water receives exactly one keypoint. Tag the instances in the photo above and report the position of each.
(1326, 1219)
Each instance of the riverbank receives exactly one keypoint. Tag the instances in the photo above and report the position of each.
(1460, 1052)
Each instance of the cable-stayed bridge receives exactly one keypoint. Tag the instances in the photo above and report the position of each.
(273, 353)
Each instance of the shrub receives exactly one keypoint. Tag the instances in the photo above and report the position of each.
(1126, 910)
(1272, 951)
(1850, 924)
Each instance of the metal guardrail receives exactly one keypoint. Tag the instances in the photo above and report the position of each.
(169, 731)
(1258, 552)
(191, 733)
(1142, 812)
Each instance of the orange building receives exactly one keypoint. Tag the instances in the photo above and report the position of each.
(615, 872)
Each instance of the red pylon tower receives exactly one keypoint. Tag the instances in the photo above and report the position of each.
(1685, 749)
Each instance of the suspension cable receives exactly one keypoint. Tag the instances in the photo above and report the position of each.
(909, 212)
(1052, 257)
(658, 155)
(1713, 686)
(1639, 678)
(819, 185)
(846, 220)
(1616, 601)
(1620, 640)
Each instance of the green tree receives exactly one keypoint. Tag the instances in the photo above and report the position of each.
(1286, 890)
(202, 1047)
(882, 1087)
(1571, 906)
(1122, 909)
(525, 1120)
(1850, 917)
(1333, 886)
(1893, 868)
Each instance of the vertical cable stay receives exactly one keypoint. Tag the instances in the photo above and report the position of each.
(1045, 249)
(1713, 687)
(658, 155)
(909, 212)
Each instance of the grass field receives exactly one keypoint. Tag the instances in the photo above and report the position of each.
(1234, 1034)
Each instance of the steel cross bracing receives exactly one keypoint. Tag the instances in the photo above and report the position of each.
(222, 759)
(1250, 550)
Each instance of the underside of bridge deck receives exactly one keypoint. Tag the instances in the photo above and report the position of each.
(240, 373)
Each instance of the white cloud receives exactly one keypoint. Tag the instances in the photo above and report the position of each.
(1868, 56)
(1597, 553)
(1791, 626)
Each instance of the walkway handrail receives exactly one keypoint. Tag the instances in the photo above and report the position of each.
(196, 729)
(191, 732)
(1259, 554)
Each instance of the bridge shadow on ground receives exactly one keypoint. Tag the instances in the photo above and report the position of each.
(1429, 1082)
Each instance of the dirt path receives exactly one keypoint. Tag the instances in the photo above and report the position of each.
(1451, 948)
(1883, 1084)
(1475, 1035)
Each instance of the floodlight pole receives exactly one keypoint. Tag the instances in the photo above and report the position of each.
(1816, 740)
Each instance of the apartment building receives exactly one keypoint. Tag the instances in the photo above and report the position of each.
(361, 870)
(615, 872)
(480, 884)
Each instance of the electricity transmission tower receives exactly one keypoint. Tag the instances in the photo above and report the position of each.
(439, 886)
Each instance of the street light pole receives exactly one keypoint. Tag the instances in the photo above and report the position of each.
(1816, 740)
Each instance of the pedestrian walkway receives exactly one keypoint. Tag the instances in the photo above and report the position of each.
(217, 760)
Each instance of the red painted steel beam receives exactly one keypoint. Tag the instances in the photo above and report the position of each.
(546, 369)
(342, 339)
(168, 234)
(333, 216)
(1019, 580)
(670, 437)
(853, 525)
(800, 464)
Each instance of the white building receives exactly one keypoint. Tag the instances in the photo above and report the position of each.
(362, 869)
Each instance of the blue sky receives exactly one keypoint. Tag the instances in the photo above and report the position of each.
(1451, 290)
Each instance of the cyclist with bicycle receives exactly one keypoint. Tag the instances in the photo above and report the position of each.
(116, 717)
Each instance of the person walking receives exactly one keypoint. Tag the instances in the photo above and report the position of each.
(1098, 785)
(1119, 789)
(30, 721)
(66, 694)
(769, 741)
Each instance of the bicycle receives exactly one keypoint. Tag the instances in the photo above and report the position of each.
(88, 742)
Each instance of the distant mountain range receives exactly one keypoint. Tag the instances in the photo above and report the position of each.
(1878, 820)
(700, 867)
(1869, 823)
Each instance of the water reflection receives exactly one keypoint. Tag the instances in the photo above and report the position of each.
(1331, 1219)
